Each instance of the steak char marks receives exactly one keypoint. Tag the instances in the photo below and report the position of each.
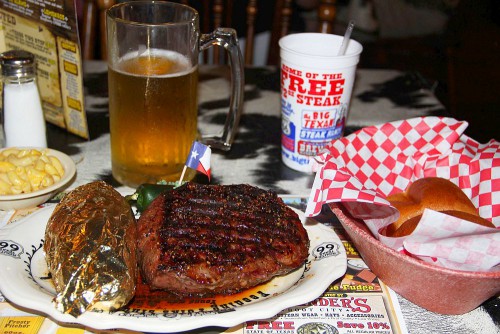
(205, 240)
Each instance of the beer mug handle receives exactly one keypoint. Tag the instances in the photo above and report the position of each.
(226, 38)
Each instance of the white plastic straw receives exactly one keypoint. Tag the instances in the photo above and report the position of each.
(347, 37)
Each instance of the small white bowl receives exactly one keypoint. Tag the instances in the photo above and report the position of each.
(35, 198)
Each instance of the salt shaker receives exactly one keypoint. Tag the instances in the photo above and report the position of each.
(23, 119)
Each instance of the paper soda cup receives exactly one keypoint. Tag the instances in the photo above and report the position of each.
(316, 87)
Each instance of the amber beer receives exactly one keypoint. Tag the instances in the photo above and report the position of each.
(153, 78)
(153, 116)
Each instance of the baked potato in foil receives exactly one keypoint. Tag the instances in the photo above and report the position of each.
(91, 251)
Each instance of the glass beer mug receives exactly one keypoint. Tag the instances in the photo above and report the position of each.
(153, 51)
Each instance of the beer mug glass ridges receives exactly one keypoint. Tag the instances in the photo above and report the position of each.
(153, 51)
(316, 87)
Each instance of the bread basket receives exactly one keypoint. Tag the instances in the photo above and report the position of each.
(434, 288)
(358, 172)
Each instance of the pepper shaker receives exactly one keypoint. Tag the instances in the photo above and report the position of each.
(23, 119)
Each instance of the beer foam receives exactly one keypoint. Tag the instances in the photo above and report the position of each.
(180, 64)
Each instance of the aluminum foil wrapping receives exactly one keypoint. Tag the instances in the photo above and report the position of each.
(90, 250)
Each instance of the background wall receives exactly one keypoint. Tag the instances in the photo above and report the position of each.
(454, 44)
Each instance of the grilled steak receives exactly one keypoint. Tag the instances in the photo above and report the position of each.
(209, 239)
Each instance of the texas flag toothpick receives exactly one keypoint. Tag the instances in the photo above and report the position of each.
(198, 159)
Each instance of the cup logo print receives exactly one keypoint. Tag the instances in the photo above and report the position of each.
(312, 104)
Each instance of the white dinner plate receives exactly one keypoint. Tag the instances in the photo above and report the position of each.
(24, 281)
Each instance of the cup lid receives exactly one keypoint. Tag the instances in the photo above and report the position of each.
(318, 50)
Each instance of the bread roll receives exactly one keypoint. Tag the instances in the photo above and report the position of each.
(433, 193)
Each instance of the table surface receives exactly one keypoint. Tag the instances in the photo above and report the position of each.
(379, 96)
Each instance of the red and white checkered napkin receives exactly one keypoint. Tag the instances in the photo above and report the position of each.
(360, 170)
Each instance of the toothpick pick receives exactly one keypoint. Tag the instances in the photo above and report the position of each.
(182, 175)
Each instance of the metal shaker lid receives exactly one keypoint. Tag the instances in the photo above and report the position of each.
(17, 63)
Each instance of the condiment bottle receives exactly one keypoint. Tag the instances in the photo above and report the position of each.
(23, 119)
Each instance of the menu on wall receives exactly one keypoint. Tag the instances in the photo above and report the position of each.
(49, 30)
